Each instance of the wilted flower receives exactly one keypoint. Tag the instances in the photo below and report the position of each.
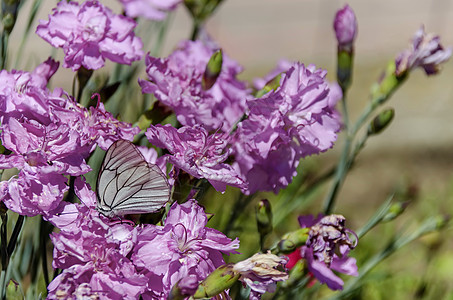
(291, 122)
(261, 272)
(327, 248)
(176, 81)
(196, 152)
(90, 33)
(149, 9)
(345, 25)
(426, 52)
(186, 247)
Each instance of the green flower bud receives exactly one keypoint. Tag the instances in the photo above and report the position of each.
(13, 291)
(381, 121)
(9, 14)
(213, 69)
(387, 84)
(395, 210)
(263, 213)
(293, 240)
(345, 60)
(272, 84)
(219, 280)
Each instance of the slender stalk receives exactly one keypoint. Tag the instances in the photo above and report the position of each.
(241, 203)
(195, 30)
(346, 159)
(16, 231)
(4, 253)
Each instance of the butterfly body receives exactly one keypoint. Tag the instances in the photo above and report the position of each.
(128, 184)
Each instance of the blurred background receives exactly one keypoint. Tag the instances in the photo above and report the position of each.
(415, 153)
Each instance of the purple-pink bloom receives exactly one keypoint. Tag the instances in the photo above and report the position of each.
(291, 122)
(90, 33)
(150, 9)
(345, 26)
(327, 249)
(197, 152)
(185, 247)
(49, 136)
(176, 82)
(426, 52)
(93, 252)
(106, 129)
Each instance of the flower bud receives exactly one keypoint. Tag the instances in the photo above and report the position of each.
(272, 84)
(395, 210)
(386, 85)
(184, 288)
(212, 71)
(293, 240)
(381, 121)
(9, 14)
(263, 213)
(345, 26)
(219, 280)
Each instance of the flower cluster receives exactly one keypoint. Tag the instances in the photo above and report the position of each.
(89, 34)
(176, 81)
(224, 133)
(49, 136)
(119, 261)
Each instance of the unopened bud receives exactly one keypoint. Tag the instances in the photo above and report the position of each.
(345, 26)
(293, 240)
(263, 214)
(381, 121)
(219, 280)
(9, 14)
(184, 288)
(386, 85)
(212, 71)
(395, 210)
(272, 84)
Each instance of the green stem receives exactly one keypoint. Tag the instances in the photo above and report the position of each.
(239, 206)
(340, 174)
(195, 30)
(3, 50)
(345, 111)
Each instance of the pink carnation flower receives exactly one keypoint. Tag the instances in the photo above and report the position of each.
(90, 33)
(291, 122)
(185, 247)
(198, 153)
(176, 82)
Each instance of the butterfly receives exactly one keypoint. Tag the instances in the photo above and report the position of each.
(128, 184)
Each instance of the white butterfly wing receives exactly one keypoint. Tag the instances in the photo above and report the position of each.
(128, 184)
